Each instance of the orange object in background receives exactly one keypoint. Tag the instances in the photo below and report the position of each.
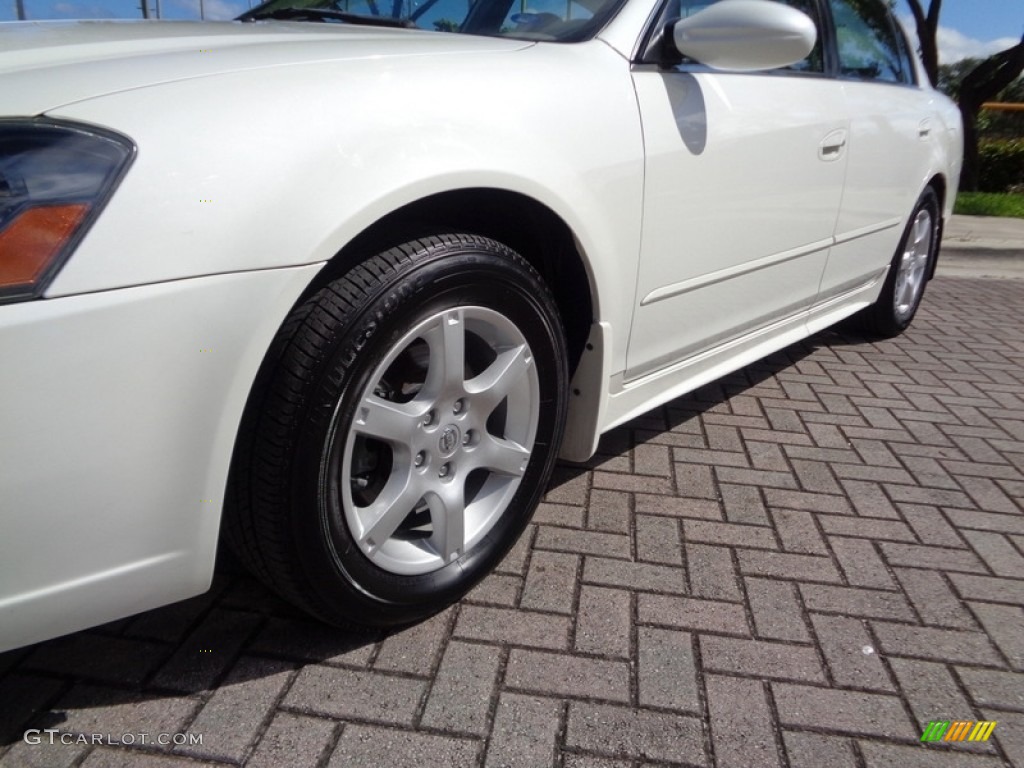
(30, 243)
(999, 106)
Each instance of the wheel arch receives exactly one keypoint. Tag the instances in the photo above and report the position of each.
(521, 222)
(940, 186)
(517, 220)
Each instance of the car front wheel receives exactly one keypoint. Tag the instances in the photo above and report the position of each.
(402, 432)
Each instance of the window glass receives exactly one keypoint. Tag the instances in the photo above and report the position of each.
(538, 18)
(867, 42)
(440, 15)
(428, 14)
(548, 20)
(906, 57)
(690, 7)
(815, 62)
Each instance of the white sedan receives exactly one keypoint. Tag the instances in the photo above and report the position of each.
(342, 279)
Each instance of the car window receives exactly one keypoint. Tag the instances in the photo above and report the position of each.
(544, 16)
(547, 20)
(443, 15)
(439, 15)
(906, 57)
(868, 42)
(815, 62)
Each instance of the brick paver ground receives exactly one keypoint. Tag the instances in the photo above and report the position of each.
(801, 565)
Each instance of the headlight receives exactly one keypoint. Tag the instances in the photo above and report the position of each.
(54, 179)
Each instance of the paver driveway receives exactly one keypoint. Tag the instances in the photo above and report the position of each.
(801, 565)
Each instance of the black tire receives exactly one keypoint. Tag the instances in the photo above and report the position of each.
(891, 315)
(307, 483)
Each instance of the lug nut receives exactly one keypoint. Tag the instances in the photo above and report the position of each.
(428, 419)
(445, 470)
(419, 459)
(458, 406)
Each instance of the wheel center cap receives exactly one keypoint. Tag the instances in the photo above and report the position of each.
(449, 441)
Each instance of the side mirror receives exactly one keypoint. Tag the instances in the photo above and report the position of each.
(745, 35)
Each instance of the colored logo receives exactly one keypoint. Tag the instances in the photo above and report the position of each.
(958, 730)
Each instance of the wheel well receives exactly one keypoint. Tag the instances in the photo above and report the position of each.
(520, 222)
(938, 183)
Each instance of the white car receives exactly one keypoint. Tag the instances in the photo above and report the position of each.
(345, 289)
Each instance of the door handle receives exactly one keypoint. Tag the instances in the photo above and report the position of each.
(832, 146)
(924, 130)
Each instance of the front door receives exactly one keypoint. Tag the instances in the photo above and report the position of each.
(744, 178)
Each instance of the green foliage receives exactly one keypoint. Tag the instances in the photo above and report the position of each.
(446, 25)
(989, 204)
(951, 75)
(1015, 93)
(990, 123)
(1001, 164)
(995, 124)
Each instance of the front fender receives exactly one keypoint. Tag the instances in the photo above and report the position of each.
(284, 166)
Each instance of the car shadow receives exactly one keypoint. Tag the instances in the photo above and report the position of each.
(193, 647)
(677, 413)
(186, 649)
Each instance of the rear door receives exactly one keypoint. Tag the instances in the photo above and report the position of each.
(891, 142)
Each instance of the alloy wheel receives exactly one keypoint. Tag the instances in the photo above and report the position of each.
(913, 266)
(441, 437)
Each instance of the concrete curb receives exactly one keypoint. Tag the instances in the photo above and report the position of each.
(982, 246)
(984, 235)
(961, 251)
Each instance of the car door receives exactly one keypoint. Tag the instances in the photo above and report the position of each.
(744, 176)
(891, 142)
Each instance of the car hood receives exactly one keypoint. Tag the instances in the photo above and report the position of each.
(44, 65)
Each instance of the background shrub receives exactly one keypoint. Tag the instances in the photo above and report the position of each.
(1001, 164)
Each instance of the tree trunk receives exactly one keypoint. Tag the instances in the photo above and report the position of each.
(981, 84)
(927, 34)
(970, 176)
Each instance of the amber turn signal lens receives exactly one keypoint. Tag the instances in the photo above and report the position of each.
(30, 243)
